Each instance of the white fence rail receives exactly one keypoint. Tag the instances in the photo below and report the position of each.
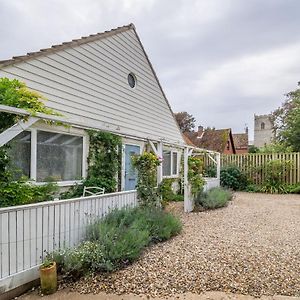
(29, 231)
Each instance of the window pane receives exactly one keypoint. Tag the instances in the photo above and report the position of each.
(166, 163)
(174, 163)
(59, 156)
(19, 152)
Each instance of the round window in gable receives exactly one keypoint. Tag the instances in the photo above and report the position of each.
(131, 80)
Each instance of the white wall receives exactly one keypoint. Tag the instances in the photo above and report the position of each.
(89, 82)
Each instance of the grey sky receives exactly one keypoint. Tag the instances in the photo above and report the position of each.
(220, 60)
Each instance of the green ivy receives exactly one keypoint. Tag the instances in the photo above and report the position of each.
(195, 178)
(146, 165)
(104, 160)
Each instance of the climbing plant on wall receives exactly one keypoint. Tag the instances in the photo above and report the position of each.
(104, 160)
(146, 165)
(195, 177)
(104, 163)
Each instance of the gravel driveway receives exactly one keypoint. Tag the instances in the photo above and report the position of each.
(250, 247)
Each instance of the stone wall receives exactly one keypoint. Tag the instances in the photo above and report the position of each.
(263, 132)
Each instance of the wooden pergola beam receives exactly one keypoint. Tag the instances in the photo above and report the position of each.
(16, 129)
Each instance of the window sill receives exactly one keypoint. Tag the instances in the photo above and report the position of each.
(171, 176)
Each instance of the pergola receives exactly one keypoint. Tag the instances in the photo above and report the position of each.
(157, 146)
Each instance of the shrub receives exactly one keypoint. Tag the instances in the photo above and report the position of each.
(210, 171)
(166, 192)
(233, 178)
(274, 189)
(253, 188)
(294, 188)
(177, 198)
(75, 262)
(117, 240)
(160, 224)
(22, 192)
(165, 189)
(214, 198)
(120, 245)
(275, 172)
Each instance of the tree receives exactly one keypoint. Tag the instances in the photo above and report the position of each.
(286, 121)
(186, 122)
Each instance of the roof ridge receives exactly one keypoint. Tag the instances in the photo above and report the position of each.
(63, 45)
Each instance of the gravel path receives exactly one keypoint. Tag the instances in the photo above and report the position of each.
(250, 247)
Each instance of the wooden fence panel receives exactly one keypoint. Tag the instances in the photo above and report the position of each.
(248, 162)
(28, 232)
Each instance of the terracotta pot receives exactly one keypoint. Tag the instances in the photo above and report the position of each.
(48, 279)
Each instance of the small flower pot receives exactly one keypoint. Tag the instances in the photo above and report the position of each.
(48, 276)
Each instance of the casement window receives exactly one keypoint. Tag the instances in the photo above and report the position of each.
(49, 156)
(170, 163)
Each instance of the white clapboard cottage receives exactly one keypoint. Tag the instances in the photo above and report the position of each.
(104, 82)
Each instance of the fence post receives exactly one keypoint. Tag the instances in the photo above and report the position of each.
(218, 165)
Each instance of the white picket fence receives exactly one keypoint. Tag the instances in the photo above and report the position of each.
(29, 231)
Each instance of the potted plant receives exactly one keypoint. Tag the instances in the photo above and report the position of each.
(48, 276)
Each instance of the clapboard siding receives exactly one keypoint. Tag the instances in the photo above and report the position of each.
(59, 91)
(89, 82)
(84, 81)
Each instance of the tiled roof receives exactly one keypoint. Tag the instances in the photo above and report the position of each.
(75, 42)
(213, 139)
(187, 140)
(240, 140)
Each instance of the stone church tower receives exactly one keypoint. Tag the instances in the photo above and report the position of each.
(263, 132)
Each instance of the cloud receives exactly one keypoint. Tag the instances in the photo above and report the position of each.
(220, 60)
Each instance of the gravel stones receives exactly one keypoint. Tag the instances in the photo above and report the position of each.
(250, 247)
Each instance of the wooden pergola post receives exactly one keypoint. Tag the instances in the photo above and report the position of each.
(158, 150)
(188, 201)
(160, 167)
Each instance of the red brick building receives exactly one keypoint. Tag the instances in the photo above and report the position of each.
(220, 140)
(240, 142)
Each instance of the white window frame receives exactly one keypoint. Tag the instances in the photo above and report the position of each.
(33, 155)
(178, 165)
